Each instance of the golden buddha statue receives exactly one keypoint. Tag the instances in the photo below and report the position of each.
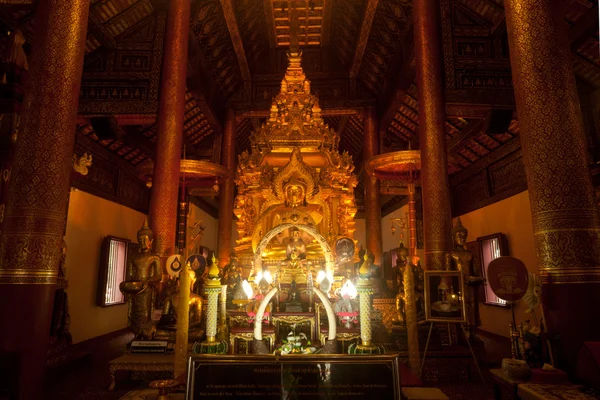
(167, 325)
(419, 286)
(461, 259)
(142, 277)
(295, 244)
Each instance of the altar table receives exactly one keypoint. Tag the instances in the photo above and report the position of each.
(141, 362)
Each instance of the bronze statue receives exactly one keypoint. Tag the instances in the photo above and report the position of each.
(167, 325)
(461, 259)
(143, 276)
(293, 303)
(419, 286)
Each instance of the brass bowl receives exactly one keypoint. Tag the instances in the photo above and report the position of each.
(132, 287)
(164, 387)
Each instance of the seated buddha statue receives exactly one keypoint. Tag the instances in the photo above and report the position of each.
(140, 285)
(295, 244)
(293, 302)
(167, 325)
(461, 259)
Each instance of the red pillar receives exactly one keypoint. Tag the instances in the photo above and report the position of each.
(226, 191)
(169, 138)
(34, 220)
(565, 218)
(437, 221)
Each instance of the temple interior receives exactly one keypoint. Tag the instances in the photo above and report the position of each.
(381, 199)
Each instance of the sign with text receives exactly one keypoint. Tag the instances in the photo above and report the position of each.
(293, 377)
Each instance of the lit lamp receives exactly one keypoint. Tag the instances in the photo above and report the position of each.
(263, 280)
(325, 280)
(243, 295)
(343, 308)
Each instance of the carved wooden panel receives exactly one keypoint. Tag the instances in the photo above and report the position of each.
(390, 27)
(473, 57)
(252, 25)
(496, 178)
(126, 80)
(106, 180)
(210, 28)
(346, 21)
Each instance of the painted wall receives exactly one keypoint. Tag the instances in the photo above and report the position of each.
(91, 219)
(391, 241)
(209, 239)
(360, 234)
(512, 217)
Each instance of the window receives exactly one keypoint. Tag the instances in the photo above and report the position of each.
(490, 248)
(113, 264)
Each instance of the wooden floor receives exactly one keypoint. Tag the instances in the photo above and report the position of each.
(88, 378)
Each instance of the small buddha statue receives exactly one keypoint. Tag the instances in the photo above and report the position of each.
(295, 244)
(232, 278)
(167, 325)
(361, 258)
(461, 259)
(142, 277)
(293, 303)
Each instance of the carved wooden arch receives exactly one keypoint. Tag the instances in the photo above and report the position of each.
(329, 261)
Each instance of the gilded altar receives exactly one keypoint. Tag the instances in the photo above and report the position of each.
(293, 174)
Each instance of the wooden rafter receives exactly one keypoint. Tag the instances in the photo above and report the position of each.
(271, 32)
(236, 39)
(326, 30)
(365, 32)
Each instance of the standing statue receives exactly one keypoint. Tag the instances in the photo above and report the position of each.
(143, 276)
(461, 259)
(419, 286)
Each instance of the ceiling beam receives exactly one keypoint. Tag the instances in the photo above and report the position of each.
(236, 39)
(100, 33)
(331, 112)
(204, 90)
(343, 125)
(270, 20)
(365, 32)
(581, 29)
(326, 29)
(202, 204)
(460, 140)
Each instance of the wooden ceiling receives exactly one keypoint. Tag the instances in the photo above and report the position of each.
(356, 53)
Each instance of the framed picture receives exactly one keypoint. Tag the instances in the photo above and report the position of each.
(444, 301)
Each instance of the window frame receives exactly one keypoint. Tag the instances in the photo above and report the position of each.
(103, 271)
(503, 247)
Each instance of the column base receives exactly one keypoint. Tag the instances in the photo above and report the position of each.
(210, 347)
(366, 349)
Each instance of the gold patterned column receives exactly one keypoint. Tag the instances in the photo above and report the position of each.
(372, 195)
(566, 224)
(165, 180)
(226, 190)
(34, 220)
(437, 222)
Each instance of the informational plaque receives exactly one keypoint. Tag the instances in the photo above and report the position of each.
(294, 377)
